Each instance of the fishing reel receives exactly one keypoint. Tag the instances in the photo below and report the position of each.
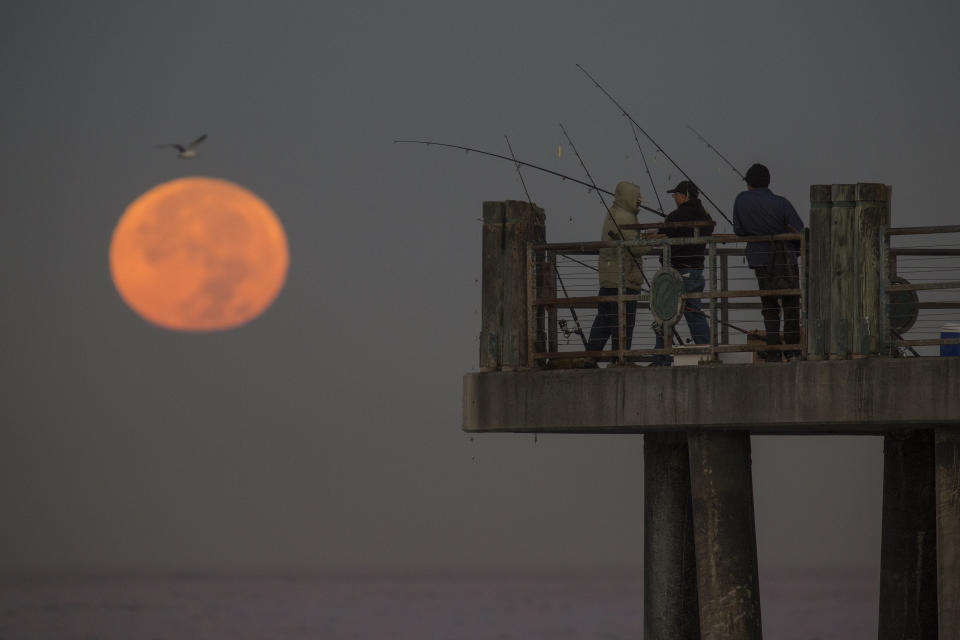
(567, 331)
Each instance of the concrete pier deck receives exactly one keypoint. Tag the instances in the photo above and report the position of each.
(864, 396)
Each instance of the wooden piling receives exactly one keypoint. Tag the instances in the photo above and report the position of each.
(491, 305)
(670, 608)
(818, 273)
(721, 484)
(947, 447)
(843, 303)
(908, 548)
(872, 216)
(508, 227)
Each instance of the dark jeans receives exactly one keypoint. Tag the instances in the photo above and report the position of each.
(605, 324)
(770, 309)
(692, 313)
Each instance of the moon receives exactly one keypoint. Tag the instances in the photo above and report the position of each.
(199, 254)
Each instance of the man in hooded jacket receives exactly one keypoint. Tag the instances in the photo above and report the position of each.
(626, 204)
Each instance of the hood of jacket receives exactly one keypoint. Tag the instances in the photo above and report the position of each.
(625, 196)
(623, 211)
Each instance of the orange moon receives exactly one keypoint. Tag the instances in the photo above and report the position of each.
(199, 254)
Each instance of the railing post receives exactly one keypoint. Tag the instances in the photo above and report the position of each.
(621, 307)
(886, 344)
(549, 278)
(725, 303)
(667, 330)
(712, 257)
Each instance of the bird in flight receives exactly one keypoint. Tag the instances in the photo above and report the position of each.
(186, 152)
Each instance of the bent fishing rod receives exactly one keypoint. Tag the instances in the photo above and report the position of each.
(573, 312)
(520, 162)
(612, 219)
(604, 203)
(717, 151)
(654, 142)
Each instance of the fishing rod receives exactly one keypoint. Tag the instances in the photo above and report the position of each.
(587, 171)
(520, 162)
(716, 151)
(647, 168)
(654, 142)
(517, 165)
(612, 219)
(726, 324)
(573, 312)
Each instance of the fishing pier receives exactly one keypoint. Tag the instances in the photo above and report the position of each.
(874, 300)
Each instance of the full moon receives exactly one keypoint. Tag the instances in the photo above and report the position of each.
(199, 254)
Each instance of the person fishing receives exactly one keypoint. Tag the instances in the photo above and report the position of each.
(759, 212)
(623, 211)
(687, 259)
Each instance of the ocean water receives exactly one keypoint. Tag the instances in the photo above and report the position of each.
(596, 605)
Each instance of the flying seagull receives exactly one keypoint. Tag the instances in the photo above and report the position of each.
(187, 152)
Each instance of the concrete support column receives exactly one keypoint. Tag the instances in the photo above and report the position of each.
(721, 482)
(670, 608)
(908, 578)
(948, 530)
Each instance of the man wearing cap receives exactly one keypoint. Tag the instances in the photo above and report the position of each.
(687, 259)
(759, 212)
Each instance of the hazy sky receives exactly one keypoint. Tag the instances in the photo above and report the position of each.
(327, 432)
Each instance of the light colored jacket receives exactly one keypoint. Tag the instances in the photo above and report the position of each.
(623, 211)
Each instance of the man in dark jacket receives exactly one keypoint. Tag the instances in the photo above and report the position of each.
(688, 261)
(759, 212)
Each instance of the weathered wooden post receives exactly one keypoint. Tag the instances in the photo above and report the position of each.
(948, 530)
(670, 608)
(846, 298)
(507, 229)
(819, 274)
(721, 482)
(842, 283)
(872, 216)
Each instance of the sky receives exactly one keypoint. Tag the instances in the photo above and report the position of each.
(326, 433)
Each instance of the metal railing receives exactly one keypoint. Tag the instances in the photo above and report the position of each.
(921, 297)
(562, 275)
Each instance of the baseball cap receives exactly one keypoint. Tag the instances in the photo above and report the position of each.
(687, 188)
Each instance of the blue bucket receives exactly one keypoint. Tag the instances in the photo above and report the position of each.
(950, 331)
